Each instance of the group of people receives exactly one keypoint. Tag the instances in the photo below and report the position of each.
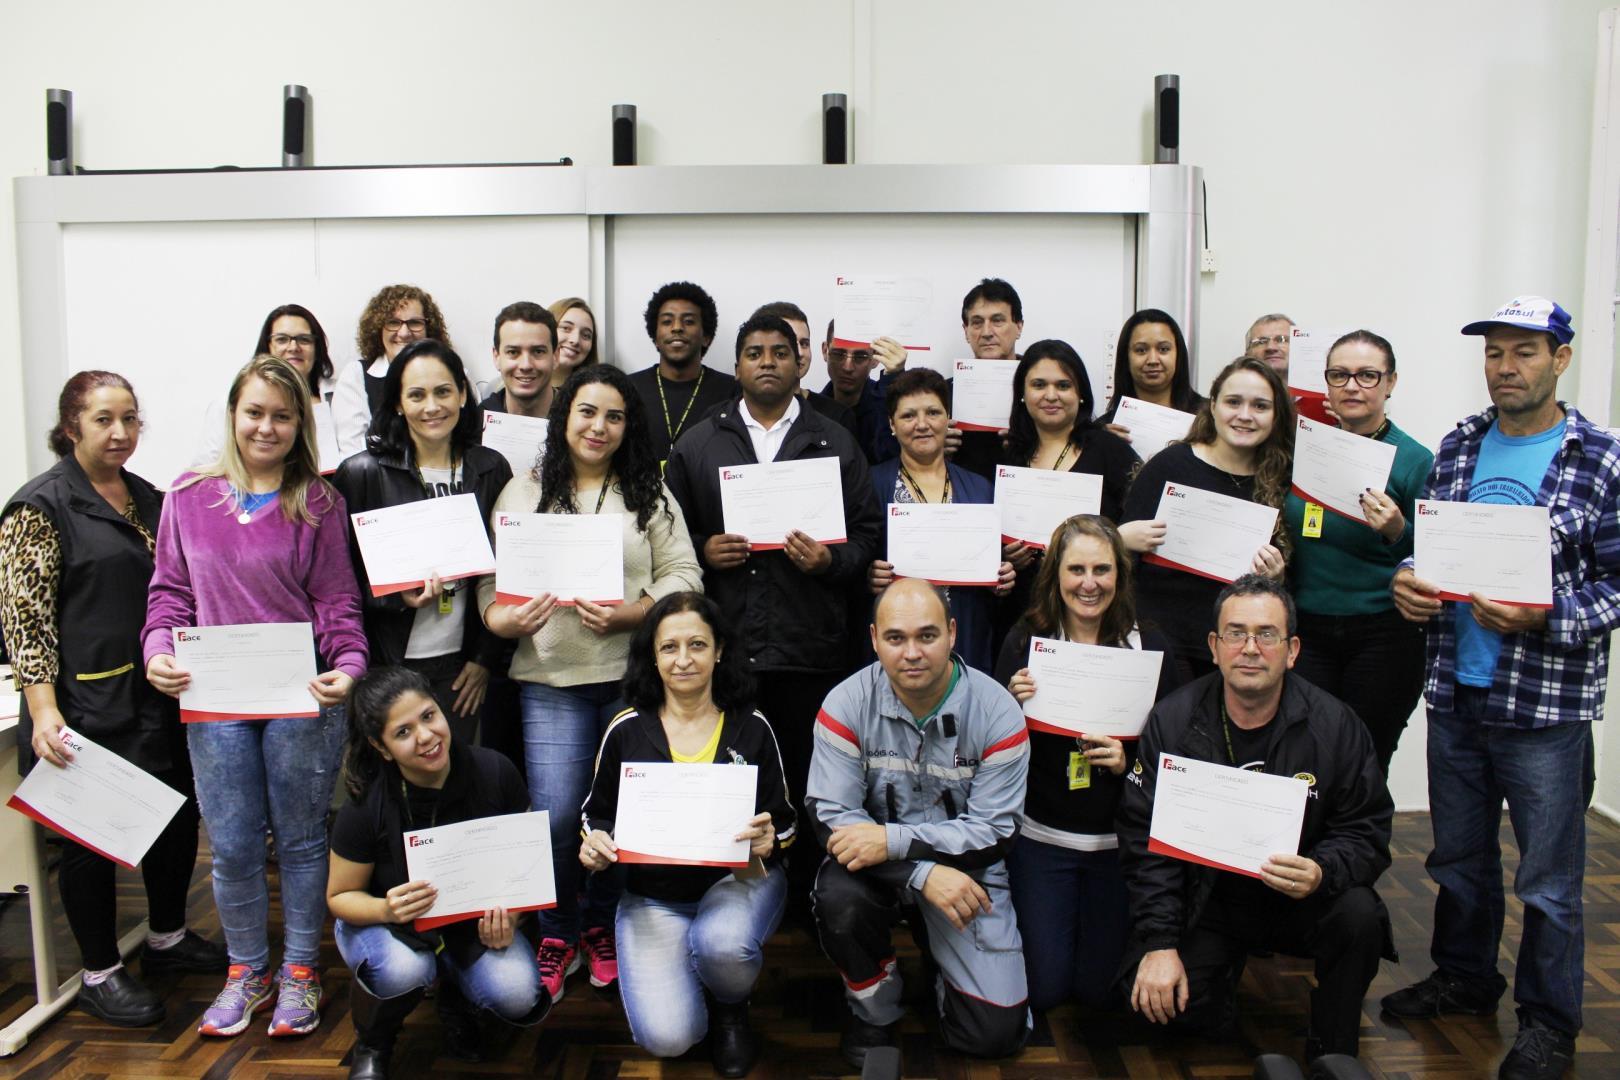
(897, 777)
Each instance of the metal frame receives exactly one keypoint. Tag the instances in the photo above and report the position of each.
(1163, 200)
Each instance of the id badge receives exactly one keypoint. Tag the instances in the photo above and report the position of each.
(1079, 771)
(447, 603)
(1312, 526)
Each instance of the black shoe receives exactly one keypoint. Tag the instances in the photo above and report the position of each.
(458, 1022)
(733, 1048)
(376, 1025)
(859, 1037)
(191, 953)
(122, 999)
(1443, 995)
(1539, 1053)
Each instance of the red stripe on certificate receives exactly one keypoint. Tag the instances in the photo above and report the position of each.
(28, 811)
(202, 716)
(390, 588)
(1308, 497)
(1036, 545)
(627, 856)
(779, 547)
(950, 581)
(445, 920)
(515, 600)
(963, 425)
(1159, 847)
(1041, 725)
(1465, 599)
(1160, 560)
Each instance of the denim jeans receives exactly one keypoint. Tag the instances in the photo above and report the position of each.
(1545, 774)
(562, 729)
(670, 953)
(1073, 917)
(504, 981)
(249, 773)
(1372, 663)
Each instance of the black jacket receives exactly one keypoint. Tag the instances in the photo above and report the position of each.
(1317, 737)
(374, 479)
(785, 619)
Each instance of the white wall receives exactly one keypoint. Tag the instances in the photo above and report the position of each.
(1401, 165)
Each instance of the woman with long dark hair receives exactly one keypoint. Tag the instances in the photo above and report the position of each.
(423, 444)
(571, 652)
(1152, 363)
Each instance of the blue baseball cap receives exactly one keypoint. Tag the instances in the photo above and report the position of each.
(1528, 313)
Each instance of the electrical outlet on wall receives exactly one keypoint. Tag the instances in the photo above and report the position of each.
(1207, 262)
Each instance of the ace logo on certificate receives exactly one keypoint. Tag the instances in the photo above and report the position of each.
(502, 861)
(685, 814)
(256, 671)
(768, 500)
(1228, 818)
(946, 543)
(402, 546)
(1210, 534)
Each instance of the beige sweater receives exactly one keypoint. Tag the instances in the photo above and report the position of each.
(657, 562)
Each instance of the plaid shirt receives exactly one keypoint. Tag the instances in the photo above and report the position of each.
(1559, 675)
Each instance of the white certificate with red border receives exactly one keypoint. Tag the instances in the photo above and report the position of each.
(1209, 534)
(684, 814)
(767, 500)
(501, 861)
(1228, 818)
(1152, 427)
(571, 556)
(1034, 502)
(1091, 689)
(404, 545)
(1307, 360)
(519, 439)
(1333, 467)
(947, 544)
(99, 800)
(255, 671)
(1500, 551)
(869, 306)
(982, 394)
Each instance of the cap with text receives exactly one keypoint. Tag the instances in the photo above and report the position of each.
(1528, 313)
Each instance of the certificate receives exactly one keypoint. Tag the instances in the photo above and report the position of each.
(571, 556)
(403, 545)
(948, 544)
(100, 800)
(684, 814)
(1209, 534)
(1502, 552)
(1307, 359)
(1091, 689)
(256, 671)
(982, 394)
(320, 413)
(869, 306)
(1152, 427)
(1231, 819)
(519, 439)
(502, 861)
(1333, 467)
(1034, 502)
(766, 501)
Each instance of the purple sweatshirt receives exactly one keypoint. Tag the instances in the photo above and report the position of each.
(214, 571)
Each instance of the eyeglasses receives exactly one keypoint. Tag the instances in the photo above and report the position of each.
(838, 356)
(415, 326)
(1261, 342)
(1267, 638)
(281, 341)
(1338, 376)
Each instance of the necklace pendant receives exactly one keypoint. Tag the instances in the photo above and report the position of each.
(244, 518)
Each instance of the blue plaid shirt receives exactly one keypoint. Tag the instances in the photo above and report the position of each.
(1556, 676)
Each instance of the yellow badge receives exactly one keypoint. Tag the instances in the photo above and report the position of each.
(1079, 771)
(1312, 528)
(1138, 767)
(1309, 778)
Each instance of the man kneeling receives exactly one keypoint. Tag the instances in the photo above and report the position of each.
(917, 789)
(1194, 925)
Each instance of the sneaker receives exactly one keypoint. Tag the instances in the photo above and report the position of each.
(1442, 995)
(1539, 1053)
(298, 1003)
(557, 960)
(601, 956)
(191, 953)
(246, 991)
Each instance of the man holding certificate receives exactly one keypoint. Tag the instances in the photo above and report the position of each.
(1194, 924)
(1513, 689)
(917, 790)
(789, 605)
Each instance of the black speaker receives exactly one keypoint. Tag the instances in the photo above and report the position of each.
(295, 118)
(624, 134)
(1167, 119)
(59, 132)
(834, 129)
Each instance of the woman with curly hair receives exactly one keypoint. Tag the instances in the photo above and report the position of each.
(1241, 445)
(572, 653)
(576, 337)
(395, 317)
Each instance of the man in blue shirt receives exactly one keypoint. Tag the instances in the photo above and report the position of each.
(1512, 692)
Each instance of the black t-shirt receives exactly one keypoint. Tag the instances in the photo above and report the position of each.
(1249, 750)
(682, 406)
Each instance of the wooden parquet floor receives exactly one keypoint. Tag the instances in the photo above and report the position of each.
(798, 1007)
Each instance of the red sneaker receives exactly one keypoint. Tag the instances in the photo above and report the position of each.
(557, 960)
(601, 956)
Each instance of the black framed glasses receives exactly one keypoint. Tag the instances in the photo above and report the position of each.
(415, 326)
(1338, 376)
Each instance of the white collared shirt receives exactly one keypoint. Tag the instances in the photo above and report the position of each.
(768, 441)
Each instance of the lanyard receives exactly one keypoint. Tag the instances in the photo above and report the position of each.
(1062, 457)
(448, 596)
(916, 488)
(601, 495)
(664, 404)
(410, 818)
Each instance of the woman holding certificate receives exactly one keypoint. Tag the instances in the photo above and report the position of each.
(919, 416)
(692, 938)
(405, 770)
(258, 537)
(75, 559)
(423, 444)
(1064, 867)
(1354, 644)
(1240, 447)
(572, 651)
(1152, 364)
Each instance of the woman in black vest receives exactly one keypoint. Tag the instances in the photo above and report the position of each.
(75, 559)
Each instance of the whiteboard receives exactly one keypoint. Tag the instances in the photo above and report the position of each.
(176, 307)
(1074, 273)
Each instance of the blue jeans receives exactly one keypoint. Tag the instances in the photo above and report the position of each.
(504, 981)
(670, 953)
(1072, 915)
(277, 771)
(562, 729)
(1546, 776)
